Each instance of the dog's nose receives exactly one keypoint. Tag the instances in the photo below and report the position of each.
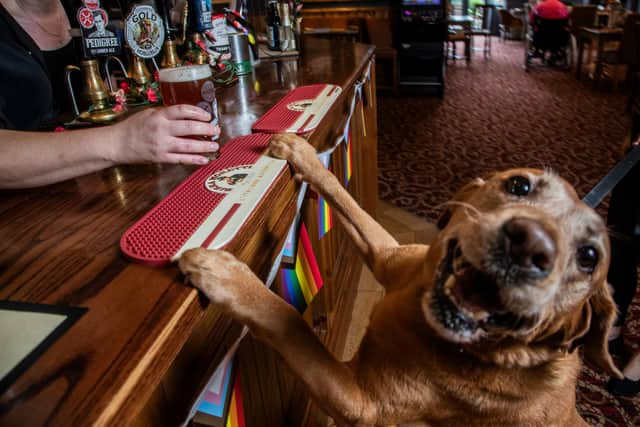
(529, 245)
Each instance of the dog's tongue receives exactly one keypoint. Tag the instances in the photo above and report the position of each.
(476, 292)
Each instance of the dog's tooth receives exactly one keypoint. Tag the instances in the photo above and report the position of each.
(448, 287)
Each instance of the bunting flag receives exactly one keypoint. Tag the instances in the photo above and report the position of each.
(348, 158)
(235, 417)
(302, 283)
(215, 400)
(325, 217)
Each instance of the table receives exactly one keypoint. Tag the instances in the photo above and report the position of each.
(464, 21)
(599, 36)
(148, 344)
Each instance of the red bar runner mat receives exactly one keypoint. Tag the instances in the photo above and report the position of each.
(209, 207)
(300, 111)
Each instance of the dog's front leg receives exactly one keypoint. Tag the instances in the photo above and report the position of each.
(233, 288)
(384, 256)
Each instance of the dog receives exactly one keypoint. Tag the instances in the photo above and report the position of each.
(478, 329)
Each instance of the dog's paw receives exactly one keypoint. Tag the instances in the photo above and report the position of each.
(297, 151)
(216, 273)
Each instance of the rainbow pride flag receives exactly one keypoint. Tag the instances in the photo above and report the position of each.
(216, 397)
(302, 283)
(235, 417)
(325, 217)
(348, 158)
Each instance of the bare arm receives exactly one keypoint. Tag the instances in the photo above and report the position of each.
(30, 159)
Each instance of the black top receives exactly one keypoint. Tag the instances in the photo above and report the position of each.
(27, 98)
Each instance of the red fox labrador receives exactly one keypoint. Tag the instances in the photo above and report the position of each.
(478, 329)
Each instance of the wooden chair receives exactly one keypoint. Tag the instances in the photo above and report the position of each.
(617, 62)
(482, 26)
(581, 16)
(457, 34)
(510, 26)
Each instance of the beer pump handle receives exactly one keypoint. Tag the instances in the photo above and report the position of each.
(166, 16)
(107, 70)
(155, 64)
(68, 70)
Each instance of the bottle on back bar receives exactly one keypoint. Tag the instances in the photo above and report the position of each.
(273, 26)
(200, 12)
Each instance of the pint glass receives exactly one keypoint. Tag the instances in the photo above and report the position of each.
(190, 85)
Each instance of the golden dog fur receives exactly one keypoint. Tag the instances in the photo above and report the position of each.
(479, 329)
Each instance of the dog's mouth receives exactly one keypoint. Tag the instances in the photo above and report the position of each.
(466, 300)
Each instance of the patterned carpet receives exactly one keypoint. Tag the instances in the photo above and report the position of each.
(495, 116)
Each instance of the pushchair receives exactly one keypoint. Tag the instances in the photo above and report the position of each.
(549, 41)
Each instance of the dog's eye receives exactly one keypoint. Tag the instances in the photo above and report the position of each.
(587, 258)
(518, 185)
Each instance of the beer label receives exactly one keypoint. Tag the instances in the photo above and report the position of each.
(220, 33)
(208, 91)
(98, 38)
(227, 179)
(144, 31)
(211, 108)
(91, 4)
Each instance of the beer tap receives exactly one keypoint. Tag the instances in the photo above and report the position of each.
(170, 58)
(138, 70)
(98, 38)
(200, 13)
(95, 91)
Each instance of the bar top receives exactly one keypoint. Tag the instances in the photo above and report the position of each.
(59, 245)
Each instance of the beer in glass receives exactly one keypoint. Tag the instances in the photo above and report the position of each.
(192, 85)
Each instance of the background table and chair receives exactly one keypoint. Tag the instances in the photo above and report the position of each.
(474, 24)
(613, 48)
(602, 43)
(464, 27)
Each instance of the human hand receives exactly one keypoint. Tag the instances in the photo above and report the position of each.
(164, 135)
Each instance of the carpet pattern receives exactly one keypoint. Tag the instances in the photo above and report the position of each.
(496, 116)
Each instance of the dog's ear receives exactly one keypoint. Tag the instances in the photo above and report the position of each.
(603, 315)
(460, 196)
(590, 326)
(574, 328)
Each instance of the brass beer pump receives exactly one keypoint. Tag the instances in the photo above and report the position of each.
(138, 70)
(170, 58)
(200, 57)
(95, 91)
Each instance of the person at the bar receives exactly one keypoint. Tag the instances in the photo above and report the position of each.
(35, 47)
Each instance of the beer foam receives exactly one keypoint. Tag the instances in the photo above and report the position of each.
(185, 74)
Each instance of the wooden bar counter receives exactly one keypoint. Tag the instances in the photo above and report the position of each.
(148, 343)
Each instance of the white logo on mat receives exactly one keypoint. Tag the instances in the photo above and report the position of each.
(301, 105)
(227, 179)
